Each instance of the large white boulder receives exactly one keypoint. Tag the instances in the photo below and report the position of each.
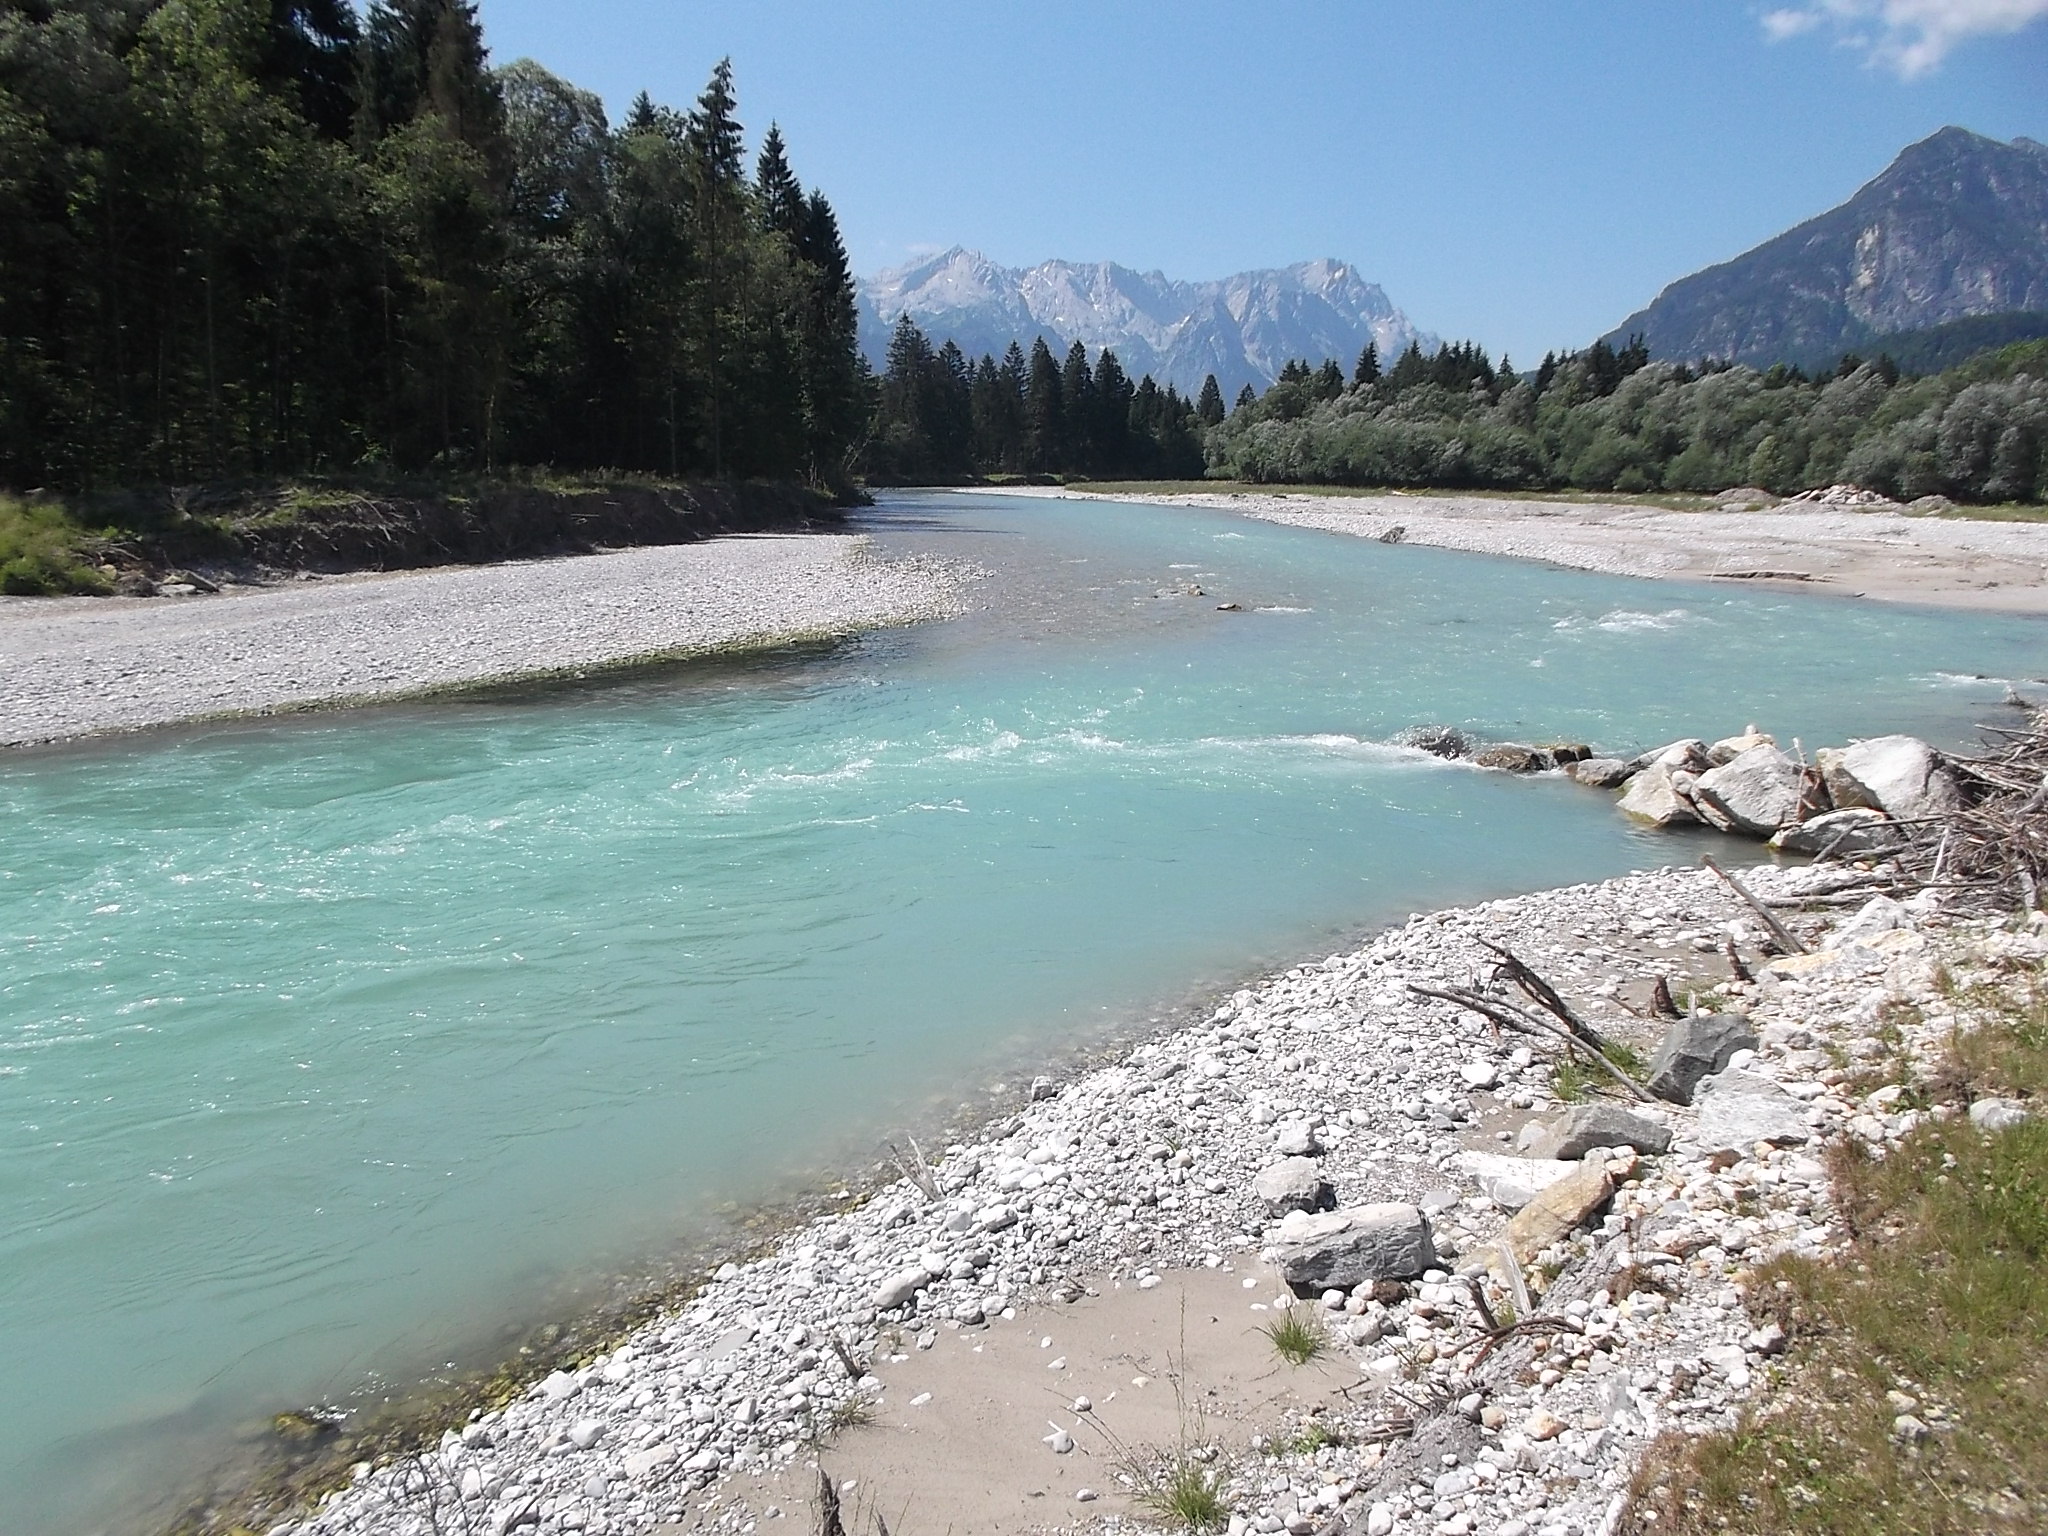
(1754, 793)
(1655, 795)
(1899, 775)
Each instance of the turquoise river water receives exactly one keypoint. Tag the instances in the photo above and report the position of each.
(330, 1046)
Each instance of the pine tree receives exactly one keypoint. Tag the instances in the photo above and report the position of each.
(834, 372)
(1045, 434)
(712, 144)
(776, 190)
(1368, 369)
(311, 51)
(1410, 369)
(1247, 397)
(1077, 400)
(1113, 394)
(1209, 406)
(1329, 380)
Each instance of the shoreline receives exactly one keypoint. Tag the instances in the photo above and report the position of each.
(1067, 1221)
(73, 669)
(1883, 556)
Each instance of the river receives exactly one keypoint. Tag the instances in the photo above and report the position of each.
(333, 1046)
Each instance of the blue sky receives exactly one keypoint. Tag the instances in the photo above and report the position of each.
(1524, 174)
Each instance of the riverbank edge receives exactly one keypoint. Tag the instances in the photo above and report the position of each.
(1615, 549)
(129, 541)
(943, 596)
(368, 1509)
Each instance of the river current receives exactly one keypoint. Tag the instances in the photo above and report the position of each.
(331, 1046)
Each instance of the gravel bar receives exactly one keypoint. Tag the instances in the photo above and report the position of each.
(80, 666)
(1884, 555)
(1176, 1168)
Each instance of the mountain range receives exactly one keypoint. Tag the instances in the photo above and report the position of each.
(1242, 328)
(1955, 227)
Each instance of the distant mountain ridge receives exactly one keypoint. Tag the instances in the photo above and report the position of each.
(1241, 328)
(1956, 226)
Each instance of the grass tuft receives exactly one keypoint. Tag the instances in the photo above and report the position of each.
(1298, 1335)
(1184, 1493)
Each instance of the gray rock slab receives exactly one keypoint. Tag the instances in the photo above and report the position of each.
(1586, 1126)
(1689, 754)
(1294, 1184)
(1696, 1048)
(1857, 829)
(1653, 796)
(1900, 775)
(1738, 1109)
(1603, 772)
(1355, 1246)
(1754, 794)
(1998, 1114)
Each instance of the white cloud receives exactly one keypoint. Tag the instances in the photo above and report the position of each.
(1909, 37)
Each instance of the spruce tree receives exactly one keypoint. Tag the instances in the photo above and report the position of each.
(1044, 412)
(776, 189)
(1368, 369)
(1077, 401)
(1209, 406)
(1112, 429)
(1247, 397)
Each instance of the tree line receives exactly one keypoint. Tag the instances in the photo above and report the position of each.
(256, 237)
(939, 417)
(1611, 419)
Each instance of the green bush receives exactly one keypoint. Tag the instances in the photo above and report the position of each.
(41, 554)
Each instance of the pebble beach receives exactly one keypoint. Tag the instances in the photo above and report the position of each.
(1883, 553)
(74, 667)
(1008, 1336)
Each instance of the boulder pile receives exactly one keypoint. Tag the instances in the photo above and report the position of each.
(1853, 800)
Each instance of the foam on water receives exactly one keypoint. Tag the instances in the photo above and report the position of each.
(330, 1046)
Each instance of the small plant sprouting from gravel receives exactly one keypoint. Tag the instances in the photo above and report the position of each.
(1571, 1081)
(1298, 1335)
(1184, 1493)
(1312, 1437)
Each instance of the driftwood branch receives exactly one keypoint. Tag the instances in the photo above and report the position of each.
(1522, 1022)
(1787, 940)
(829, 1523)
(1540, 992)
(916, 1169)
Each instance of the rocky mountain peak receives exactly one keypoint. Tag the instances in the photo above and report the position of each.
(1242, 328)
(1955, 226)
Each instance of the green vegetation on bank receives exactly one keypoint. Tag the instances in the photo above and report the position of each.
(271, 237)
(1912, 1403)
(1607, 420)
(43, 550)
(94, 543)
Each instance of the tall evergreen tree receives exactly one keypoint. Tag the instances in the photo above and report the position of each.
(781, 196)
(1368, 369)
(1209, 406)
(1045, 423)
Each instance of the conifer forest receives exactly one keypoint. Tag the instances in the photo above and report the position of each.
(261, 237)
